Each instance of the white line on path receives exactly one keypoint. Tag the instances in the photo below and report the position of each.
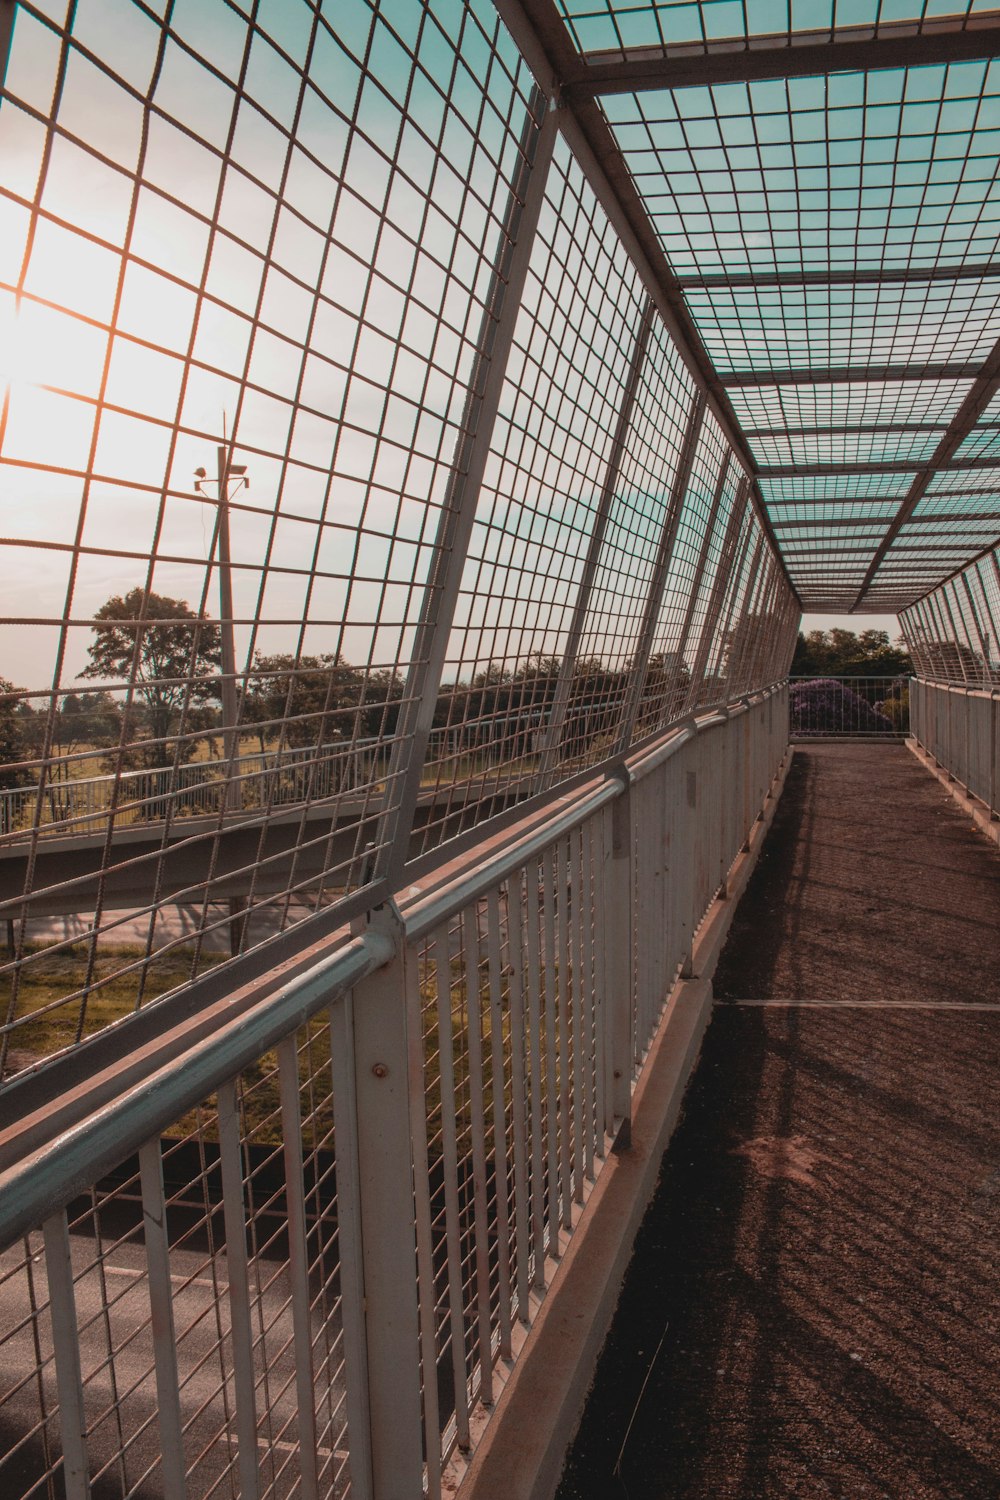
(983, 1005)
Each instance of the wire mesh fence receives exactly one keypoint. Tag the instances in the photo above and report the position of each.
(954, 632)
(849, 707)
(358, 491)
(180, 1323)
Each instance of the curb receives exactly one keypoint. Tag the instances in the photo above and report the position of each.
(973, 808)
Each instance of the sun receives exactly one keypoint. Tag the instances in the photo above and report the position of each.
(19, 364)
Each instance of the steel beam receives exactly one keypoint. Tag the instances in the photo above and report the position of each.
(989, 551)
(843, 430)
(808, 471)
(661, 566)
(543, 41)
(980, 632)
(847, 524)
(716, 598)
(7, 8)
(927, 468)
(699, 571)
(984, 388)
(837, 276)
(852, 374)
(564, 685)
(794, 55)
(459, 509)
(854, 524)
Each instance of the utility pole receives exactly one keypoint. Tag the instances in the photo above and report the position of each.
(226, 471)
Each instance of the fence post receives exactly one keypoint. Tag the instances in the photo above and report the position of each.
(457, 514)
(994, 747)
(552, 732)
(619, 969)
(387, 1231)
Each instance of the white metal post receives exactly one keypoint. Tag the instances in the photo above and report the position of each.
(157, 1244)
(298, 1262)
(385, 1183)
(619, 971)
(350, 1244)
(702, 562)
(720, 583)
(66, 1344)
(234, 1213)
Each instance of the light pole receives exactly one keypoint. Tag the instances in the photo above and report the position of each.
(226, 472)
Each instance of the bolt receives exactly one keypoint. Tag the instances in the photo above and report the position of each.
(380, 1070)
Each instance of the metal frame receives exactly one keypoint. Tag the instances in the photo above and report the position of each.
(902, 44)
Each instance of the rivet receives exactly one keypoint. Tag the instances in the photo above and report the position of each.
(380, 1070)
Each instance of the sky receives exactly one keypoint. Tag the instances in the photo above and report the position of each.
(857, 623)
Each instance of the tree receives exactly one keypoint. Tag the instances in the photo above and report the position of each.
(842, 653)
(86, 719)
(170, 655)
(12, 744)
(302, 698)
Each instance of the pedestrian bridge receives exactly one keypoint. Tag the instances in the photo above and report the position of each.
(557, 360)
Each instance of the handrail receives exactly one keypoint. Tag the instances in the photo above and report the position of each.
(45, 1181)
(422, 912)
(77, 1154)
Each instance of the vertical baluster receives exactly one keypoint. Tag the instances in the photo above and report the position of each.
(522, 1217)
(477, 1086)
(161, 1303)
(602, 1010)
(495, 972)
(350, 1246)
(533, 981)
(555, 876)
(585, 992)
(449, 1141)
(396, 1381)
(66, 1342)
(298, 1262)
(552, 1063)
(230, 1154)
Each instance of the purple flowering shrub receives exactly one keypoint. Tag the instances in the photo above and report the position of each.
(824, 706)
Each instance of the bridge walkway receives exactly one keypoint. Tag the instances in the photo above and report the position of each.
(812, 1306)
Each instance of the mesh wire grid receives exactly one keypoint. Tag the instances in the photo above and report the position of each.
(265, 241)
(111, 1260)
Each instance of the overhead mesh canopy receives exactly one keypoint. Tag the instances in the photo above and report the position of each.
(820, 186)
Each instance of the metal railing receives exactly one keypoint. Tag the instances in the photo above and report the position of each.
(258, 779)
(960, 727)
(848, 707)
(291, 1243)
(477, 522)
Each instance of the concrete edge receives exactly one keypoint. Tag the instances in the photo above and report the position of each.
(522, 1449)
(971, 806)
